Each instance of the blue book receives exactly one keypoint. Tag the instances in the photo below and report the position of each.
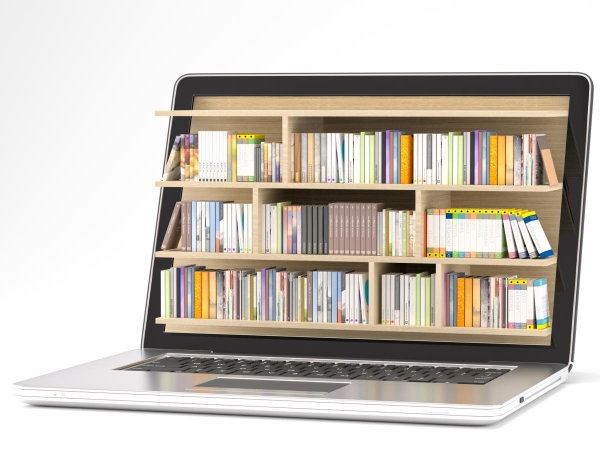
(315, 304)
(334, 288)
(182, 288)
(485, 165)
(190, 289)
(213, 224)
(194, 227)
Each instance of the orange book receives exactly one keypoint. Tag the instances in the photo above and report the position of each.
(468, 302)
(406, 158)
(297, 156)
(510, 158)
(476, 302)
(460, 302)
(501, 159)
(205, 299)
(212, 295)
(266, 160)
(197, 295)
(493, 159)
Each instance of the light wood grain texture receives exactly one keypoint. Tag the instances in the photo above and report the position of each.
(374, 103)
(347, 331)
(268, 258)
(361, 113)
(368, 187)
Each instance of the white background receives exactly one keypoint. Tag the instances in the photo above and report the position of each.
(81, 149)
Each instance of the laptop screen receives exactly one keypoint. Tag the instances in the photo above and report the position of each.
(380, 218)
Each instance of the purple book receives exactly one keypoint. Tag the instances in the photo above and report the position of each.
(477, 162)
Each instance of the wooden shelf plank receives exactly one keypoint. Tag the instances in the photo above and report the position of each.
(374, 187)
(361, 113)
(333, 330)
(269, 257)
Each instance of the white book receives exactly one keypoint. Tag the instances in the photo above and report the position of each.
(415, 158)
(422, 300)
(419, 157)
(454, 159)
(340, 160)
(244, 208)
(467, 232)
(455, 235)
(378, 161)
(499, 235)
(317, 159)
(480, 229)
(542, 307)
(273, 234)
(265, 247)
(384, 298)
(435, 230)
(356, 149)
(434, 151)
(401, 231)
(250, 230)
(329, 160)
(539, 238)
(224, 155)
(350, 300)
(467, 158)
(400, 294)
(530, 319)
(392, 231)
(461, 233)
(199, 226)
(226, 228)
(323, 157)
(427, 159)
(345, 298)
(445, 160)
(486, 234)
(412, 296)
(398, 236)
(350, 158)
(367, 168)
(473, 235)
(449, 237)
(346, 158)
(439, 158)
(522, 252)
(258, 296)
(529, 245)
(442, 231)
(163, 291)
(202, 210)
(406, 288)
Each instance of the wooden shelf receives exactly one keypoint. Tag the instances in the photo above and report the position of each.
(361, 113)
(349, 186)
(366, 331)
(271, 257)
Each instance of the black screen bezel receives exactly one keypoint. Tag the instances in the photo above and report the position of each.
(578, 87)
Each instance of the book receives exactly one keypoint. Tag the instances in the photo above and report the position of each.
(172, 167)
(548, 162)
(173, 233)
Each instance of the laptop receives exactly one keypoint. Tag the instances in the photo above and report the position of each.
(449, 376)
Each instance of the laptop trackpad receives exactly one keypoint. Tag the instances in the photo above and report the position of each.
(247, 384)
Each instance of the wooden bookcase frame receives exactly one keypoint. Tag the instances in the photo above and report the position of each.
(279, 116)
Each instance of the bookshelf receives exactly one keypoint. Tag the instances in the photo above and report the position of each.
(279, 116)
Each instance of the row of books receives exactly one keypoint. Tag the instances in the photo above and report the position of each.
(485, 233)
(337, 229)
(221, 156)
(210, 226)
(395, 157)
(495, 302)
(268, 294)
(408, 299)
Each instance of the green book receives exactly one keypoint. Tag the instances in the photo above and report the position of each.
(280, 206)
(418, 297)
(427, 301)
(372, 158)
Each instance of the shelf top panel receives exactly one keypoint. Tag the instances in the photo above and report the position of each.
(363, 113)
(351, 186)
(268, 257)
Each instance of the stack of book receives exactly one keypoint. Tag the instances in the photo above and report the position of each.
(268, 294)
(334, 229)
(408, 299)
(395, 233)
(221, 156)
(499, 301)
(396, 157)
(210, 226)
(485, 233)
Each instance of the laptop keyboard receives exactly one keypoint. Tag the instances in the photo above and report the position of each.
(322, 370)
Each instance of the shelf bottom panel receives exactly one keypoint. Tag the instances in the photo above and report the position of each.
(346, 331)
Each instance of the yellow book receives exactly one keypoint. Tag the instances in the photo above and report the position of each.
(205, 299)
(197, 295)
(212, 294)
(501, 159)
(493, 159)
(468, 302)
(311, 158)
(406, 159)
